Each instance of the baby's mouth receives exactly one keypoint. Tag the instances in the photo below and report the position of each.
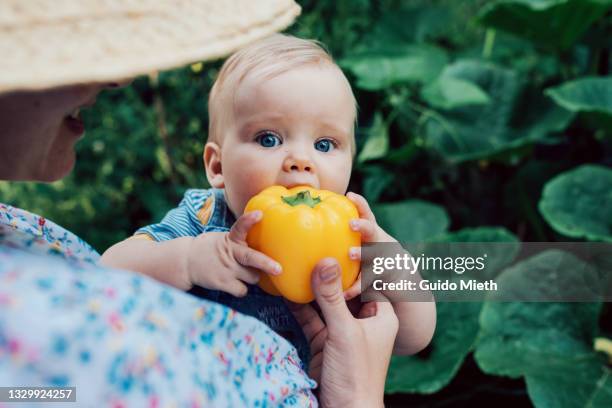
(297, 184)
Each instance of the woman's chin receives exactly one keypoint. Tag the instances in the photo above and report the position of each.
(60, 158)
(55, 170)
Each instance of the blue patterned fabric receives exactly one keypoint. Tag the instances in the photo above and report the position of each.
(202, 211)
(125, 340)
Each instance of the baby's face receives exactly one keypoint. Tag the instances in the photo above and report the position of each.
(293, 129)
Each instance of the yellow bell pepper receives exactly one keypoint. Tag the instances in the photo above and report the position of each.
(301, 226)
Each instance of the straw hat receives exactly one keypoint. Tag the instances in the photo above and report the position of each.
(48, 43)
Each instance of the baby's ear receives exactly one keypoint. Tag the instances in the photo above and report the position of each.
(212, 164)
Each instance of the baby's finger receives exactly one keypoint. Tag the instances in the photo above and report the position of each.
(354, 290)
(365, 227)
(249, 257)
(243, 224)
(355, 253)
(248, 275)
(363, 208)
(364, 254)
(236, 288)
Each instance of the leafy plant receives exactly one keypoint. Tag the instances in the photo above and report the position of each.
(479, 121)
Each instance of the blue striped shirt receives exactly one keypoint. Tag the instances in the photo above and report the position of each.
(202, 211)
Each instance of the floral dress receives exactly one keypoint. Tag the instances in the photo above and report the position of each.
(125, 340)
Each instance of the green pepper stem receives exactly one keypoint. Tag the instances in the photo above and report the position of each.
(303, 197)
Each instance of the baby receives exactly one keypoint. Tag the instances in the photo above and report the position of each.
(281, 112)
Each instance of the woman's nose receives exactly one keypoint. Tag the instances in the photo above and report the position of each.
(298, 163)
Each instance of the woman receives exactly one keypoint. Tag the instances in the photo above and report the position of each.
(122, 339)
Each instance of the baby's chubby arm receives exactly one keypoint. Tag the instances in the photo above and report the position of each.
(213, 260)
(417, 320)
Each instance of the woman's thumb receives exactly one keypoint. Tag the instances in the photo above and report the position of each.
(327, 287)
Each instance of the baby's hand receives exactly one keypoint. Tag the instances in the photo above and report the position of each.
(224, 261)
(370, 232)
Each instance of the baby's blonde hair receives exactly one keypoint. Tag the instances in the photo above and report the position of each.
(270, 57)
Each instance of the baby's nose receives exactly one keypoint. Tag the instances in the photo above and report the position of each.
(298, 164)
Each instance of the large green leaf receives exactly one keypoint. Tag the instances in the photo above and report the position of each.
(412, 25)
(572, 382)
(447, 92)
(578, 203)
(377, 143)
(591, 96)
(550, 344)
(553, 275)
(380, 68)
(470, 132)
(376, 179)
(554, 24)
(456, 331)
(523, 191)
(411, 220)
(479, 234)
(535, 118)
(394, 50)
(480, 239)
(457, 327)
(514, 117)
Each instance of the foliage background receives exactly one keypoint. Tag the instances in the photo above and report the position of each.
(478, 121)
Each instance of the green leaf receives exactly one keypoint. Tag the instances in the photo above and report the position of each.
(522, 192)
(456, 331)
(479, 234)
(376, 180)
(535, 118)
(475, 131)
(411, 220)
(377, 144)
(578, 203)
(447, 92)
(409, 25)
(554, 275)
(380, 68)
(457, 325)
(554, 24)
(591, 96)
(602, 394)
(515, 117)
(550, 344)
(572, 382)
(394, 50)
(498, 256)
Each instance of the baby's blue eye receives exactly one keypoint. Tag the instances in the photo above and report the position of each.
(324, 145)
(268, 139)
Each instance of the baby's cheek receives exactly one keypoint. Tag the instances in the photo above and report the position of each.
(250, 183)
(256, 179)
(337, 177)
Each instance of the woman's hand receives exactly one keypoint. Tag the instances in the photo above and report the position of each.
(350, 356)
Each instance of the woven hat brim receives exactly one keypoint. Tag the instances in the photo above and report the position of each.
(92, 45)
